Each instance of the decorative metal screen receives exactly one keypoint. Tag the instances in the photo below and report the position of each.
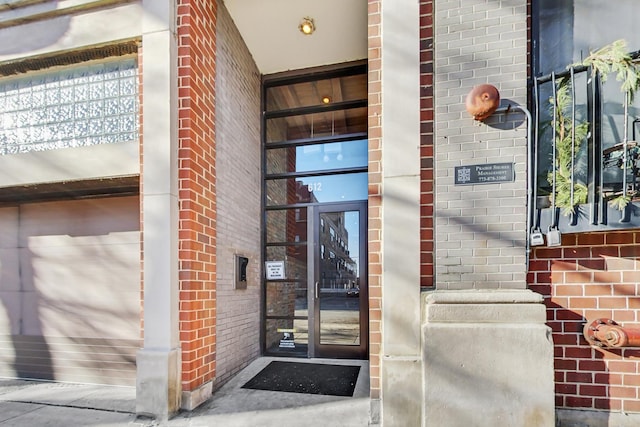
(89, 104)
(586, 152)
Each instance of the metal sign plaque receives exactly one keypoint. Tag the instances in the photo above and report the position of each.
(490, 173)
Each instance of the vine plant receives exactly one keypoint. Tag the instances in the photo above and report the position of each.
(612, 58)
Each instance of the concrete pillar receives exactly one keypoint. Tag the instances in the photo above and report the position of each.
(400, 362)
(487, 353)
(488, 359)
(158, 362)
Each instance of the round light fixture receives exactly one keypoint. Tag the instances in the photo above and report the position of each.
(307, 26)
(482, 101)
(326, 100)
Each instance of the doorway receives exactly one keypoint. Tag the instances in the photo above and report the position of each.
(338, 320)
(316, 289)
(315, 204)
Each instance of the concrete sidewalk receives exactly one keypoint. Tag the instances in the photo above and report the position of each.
(33, 403)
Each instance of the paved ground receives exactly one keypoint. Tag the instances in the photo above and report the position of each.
(32, 403)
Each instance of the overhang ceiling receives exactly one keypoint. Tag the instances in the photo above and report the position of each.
(270, 30)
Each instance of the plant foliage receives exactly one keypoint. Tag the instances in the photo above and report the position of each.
(612, 58)
(569, 138)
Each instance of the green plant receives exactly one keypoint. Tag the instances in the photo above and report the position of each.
(620, 202)
(612, 58)
(569, 136)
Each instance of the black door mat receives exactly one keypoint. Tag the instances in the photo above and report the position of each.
(310, 378)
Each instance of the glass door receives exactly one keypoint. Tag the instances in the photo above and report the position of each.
(338, 281)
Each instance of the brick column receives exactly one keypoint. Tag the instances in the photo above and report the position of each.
(197, 197)
(480, 229)
(427, 186)
(375, 191)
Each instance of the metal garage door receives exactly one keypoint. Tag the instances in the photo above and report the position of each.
(70, 290)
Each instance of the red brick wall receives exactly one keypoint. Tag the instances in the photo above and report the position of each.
(375, 192)
(426, 143)
(593, 275)
(196, 189)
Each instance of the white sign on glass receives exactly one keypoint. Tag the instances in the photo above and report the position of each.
(274, 270)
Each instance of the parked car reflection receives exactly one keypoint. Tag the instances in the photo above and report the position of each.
(353, 292)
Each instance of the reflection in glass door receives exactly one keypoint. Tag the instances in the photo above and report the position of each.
(340, 292)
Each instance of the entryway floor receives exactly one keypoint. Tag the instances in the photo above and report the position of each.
(56, 404)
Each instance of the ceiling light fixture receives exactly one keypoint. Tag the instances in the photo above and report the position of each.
(326, 100)
(307, 26)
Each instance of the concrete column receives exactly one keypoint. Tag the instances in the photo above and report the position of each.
(488, 359)
(159, 370)
(400, 362)
(487, 353)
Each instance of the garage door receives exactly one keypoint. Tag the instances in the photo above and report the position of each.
(70, 290)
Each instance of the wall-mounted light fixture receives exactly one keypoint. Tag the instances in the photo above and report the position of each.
(482, 101)
(307, 26)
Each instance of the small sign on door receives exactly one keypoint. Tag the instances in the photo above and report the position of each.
(274, 270)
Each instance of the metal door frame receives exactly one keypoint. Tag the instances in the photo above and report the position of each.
(315, 349)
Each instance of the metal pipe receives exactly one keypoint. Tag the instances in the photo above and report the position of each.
(553, 150)
(625, 140)
(573, 137)
(530, 172)
(534, 145)
(608, 333)
(596, 131)
(578, 68)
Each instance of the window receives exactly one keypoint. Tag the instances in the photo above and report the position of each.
(586, 157)
(94, 102)
(315, 134)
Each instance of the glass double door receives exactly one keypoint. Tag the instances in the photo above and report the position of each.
(337, 287)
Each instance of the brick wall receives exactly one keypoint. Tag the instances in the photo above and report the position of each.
(197, 189)
(375, 192)
(593, 275)
(480, 229)
(426, 144)
(238, 199)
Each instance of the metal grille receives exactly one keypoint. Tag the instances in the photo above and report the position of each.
(586, 154)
